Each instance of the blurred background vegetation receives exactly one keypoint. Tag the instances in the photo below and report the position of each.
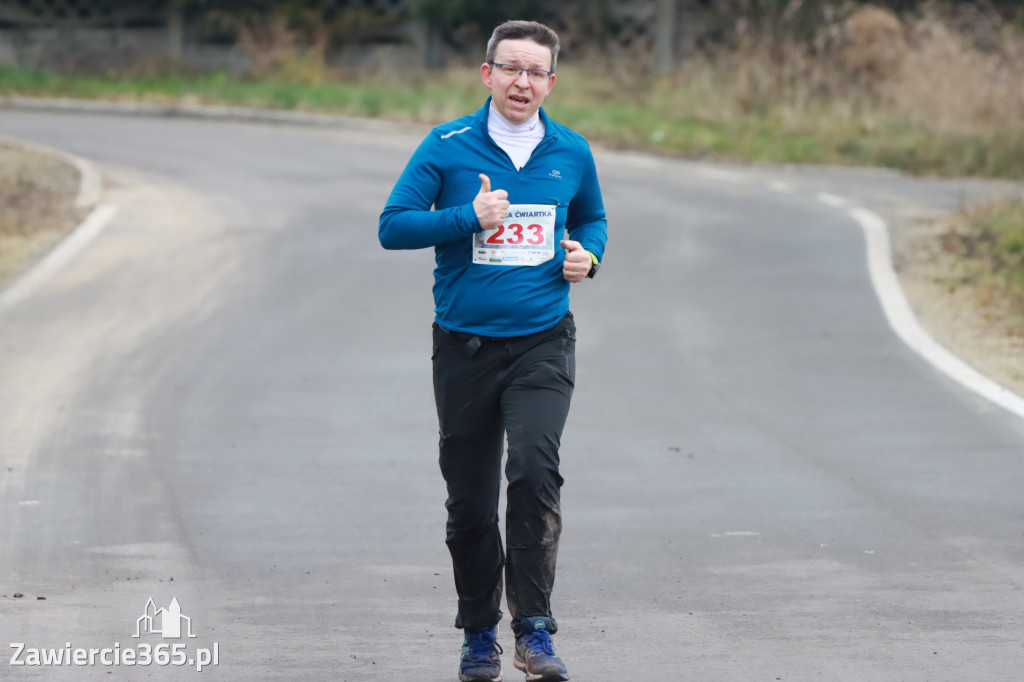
(930, 87)
(925, 87)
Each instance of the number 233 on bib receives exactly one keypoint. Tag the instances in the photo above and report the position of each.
(526, 238)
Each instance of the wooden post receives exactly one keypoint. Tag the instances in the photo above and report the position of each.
(175, 32)
(664, 36)
(433, 57)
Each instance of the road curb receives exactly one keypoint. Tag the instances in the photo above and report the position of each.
(87, 199)
(205, 112)
(90, 182)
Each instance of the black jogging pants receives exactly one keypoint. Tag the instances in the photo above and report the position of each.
(486, 388)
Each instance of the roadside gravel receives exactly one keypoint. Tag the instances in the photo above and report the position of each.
(972, 316)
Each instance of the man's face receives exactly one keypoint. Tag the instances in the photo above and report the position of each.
(518, 98)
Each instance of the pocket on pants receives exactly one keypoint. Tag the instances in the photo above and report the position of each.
(569, 347)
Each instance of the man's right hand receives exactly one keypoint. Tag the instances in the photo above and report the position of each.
(491, 207)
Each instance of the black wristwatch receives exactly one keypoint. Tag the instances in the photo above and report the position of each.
(593, 270)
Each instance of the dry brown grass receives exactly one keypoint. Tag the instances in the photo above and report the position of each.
(37, 194)
(932, 93)
(280, 48)
(965, 77)
(876, 46)
(965, 66)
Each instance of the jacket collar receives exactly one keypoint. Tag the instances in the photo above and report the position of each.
(550, 127)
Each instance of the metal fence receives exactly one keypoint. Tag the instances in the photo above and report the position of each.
(49, 13)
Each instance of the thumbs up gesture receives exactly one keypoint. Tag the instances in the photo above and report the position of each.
(491, 207)
(577, 261)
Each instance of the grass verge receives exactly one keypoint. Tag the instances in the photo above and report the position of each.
(686, 117)
(37, 196)
(988, 245)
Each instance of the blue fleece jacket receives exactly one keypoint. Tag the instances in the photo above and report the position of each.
(443, 173)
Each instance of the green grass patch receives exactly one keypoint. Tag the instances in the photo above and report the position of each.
(990, 245)
(679, 119)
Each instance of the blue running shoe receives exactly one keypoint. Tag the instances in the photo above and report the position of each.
(535, 656)
(480, 657)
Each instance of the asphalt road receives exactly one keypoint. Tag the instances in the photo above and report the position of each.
(225, 399)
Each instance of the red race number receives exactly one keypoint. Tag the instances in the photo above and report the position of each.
(517, 235)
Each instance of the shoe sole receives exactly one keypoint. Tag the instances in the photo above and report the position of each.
(533, 677)
(463, 678)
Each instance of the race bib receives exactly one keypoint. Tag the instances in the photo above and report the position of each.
(526, 238)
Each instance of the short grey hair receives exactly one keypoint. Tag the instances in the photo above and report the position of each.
(524, 30)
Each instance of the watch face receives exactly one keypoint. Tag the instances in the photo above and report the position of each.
(593, 270)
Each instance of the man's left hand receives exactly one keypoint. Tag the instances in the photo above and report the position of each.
(577, 261)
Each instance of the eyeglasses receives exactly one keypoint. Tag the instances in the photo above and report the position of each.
(513, 71)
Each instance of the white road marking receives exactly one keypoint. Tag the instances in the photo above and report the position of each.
(901, 318)
(88, 230)
(719, 174)
(894, 302)
(831, 199)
